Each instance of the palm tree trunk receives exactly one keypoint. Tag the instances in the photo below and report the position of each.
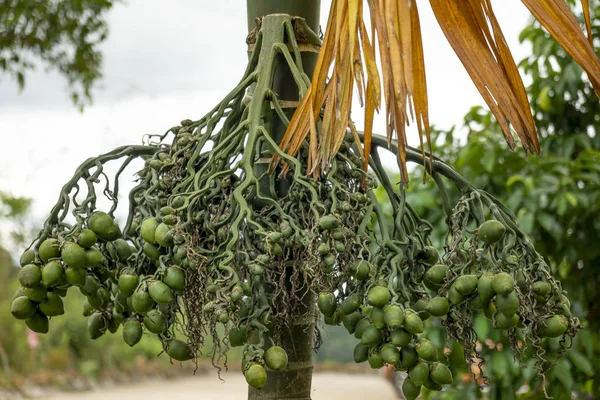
(310, 10)
(294, 383)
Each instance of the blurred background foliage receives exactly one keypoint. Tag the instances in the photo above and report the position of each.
(61, 35)
(556, 198)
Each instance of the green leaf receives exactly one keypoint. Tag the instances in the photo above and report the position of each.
(581, 362)
(529, 184)
(508, 390)
(548, 222)
(586, 341)
(561, 205)
(588, 177)
(562, 372)
(514, 179)
(470, 155)
(548, 48)
(437, 337)
(529, 372)
(572, 73)
(489, 161)
(514, 202)
(571, 199)
(499, 364)
(583, 141)
(16, 206)
(526, 34)
(21, 80)
(564, 268)
(526, 222)
(551, 180)
(481, 326)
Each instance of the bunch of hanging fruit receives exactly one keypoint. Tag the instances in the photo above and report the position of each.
(214, 245)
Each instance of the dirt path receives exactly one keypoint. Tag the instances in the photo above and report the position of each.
(326, 386)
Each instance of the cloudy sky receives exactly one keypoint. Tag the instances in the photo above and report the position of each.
(166, 63)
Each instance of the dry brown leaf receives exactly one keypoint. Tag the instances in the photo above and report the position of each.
(379, 24)
(324, 60)
(313, 149)
(420, 98)
(397, 57)
(461, 23)
(372, 72)
(369, 116)
(405, 30)
(557, 18)
(585, 4)
(359, 74)
(343, 99)
(514, 78)
(354, 14)
(475, 35)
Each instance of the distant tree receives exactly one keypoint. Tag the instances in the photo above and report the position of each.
(63, 34)
(12, 211)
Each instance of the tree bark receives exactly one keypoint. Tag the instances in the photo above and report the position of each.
(293, 383)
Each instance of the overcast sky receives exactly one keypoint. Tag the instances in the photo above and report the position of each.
(166, 63)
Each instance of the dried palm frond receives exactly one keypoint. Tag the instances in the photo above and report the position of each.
(397, 64)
